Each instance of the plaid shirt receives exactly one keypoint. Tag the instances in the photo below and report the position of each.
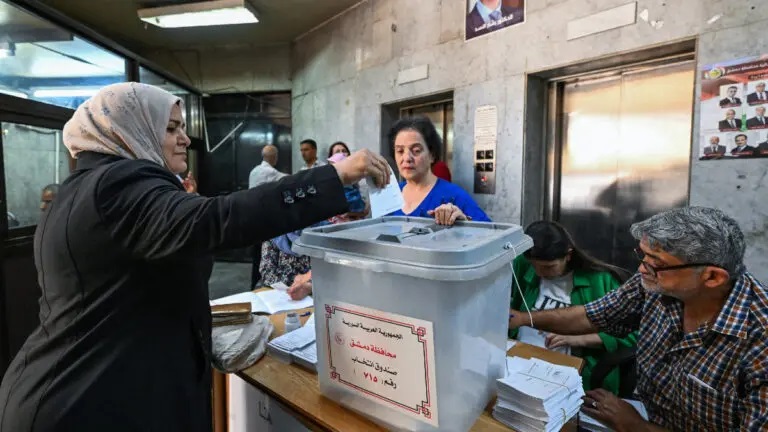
(713, 379)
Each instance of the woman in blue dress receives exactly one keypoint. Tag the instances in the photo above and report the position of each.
(416, 142)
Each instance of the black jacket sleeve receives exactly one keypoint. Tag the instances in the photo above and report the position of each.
(147, 212)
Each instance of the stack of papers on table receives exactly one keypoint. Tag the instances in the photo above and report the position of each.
(594, 425)
(537, 395)
(270, 301)
(297, 346)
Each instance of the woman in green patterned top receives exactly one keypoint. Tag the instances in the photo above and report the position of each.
(555, 273)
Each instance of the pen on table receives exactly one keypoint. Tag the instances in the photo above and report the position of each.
(308, 313)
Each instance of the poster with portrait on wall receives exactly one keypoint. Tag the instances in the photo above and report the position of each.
(487, 16)
(734, 98)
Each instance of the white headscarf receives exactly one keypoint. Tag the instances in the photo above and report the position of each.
(126, 119)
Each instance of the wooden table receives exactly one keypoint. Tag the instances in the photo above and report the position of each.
(298, 389)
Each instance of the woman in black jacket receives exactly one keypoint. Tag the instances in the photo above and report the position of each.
(123, 257)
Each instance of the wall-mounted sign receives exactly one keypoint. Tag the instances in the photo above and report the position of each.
(733, 119)
(387, 358)
(486, 135)
(487, 16)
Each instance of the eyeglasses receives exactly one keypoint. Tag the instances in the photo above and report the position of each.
(655, 270)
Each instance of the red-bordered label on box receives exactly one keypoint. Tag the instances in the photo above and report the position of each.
(387, 358)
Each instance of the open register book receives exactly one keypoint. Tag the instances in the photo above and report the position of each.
(298, 346)
(270, 301)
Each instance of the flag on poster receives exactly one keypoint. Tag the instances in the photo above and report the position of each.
(487, 16)
(733, 106)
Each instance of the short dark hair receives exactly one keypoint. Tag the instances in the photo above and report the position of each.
(52, 188)
(311, 142)
(744, 135)
(337, 143)
(423, 126)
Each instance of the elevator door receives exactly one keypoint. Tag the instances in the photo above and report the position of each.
(624, 155)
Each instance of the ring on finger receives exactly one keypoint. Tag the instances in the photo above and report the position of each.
(594, 404)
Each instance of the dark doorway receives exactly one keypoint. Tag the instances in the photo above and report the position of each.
(239, 126)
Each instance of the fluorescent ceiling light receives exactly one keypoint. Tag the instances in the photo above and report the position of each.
(65, 92)
(14, 93)
(209, 13)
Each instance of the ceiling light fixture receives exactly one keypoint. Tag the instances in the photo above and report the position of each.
(65, 92)
(209, 13)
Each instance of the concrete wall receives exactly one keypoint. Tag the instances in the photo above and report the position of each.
(345, 71)
(229, 69)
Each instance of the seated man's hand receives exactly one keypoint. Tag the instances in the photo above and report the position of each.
(609, 409)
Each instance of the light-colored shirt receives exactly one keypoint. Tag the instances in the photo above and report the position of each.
(485, 12)
(553, 294)
(263, 173)
(317, 163)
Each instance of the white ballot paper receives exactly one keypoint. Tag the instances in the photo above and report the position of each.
(387, 199)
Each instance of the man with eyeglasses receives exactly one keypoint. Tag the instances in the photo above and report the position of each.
(702, 352)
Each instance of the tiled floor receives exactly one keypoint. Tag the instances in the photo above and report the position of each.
(229, 278)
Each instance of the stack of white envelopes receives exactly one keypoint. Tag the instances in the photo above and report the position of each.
(537, 395)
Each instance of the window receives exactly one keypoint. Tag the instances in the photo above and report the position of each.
(191, 101)
(43, 62)
(33, 158)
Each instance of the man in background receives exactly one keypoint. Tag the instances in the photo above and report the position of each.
(48, 195)
(308, 149)
(263, 173)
